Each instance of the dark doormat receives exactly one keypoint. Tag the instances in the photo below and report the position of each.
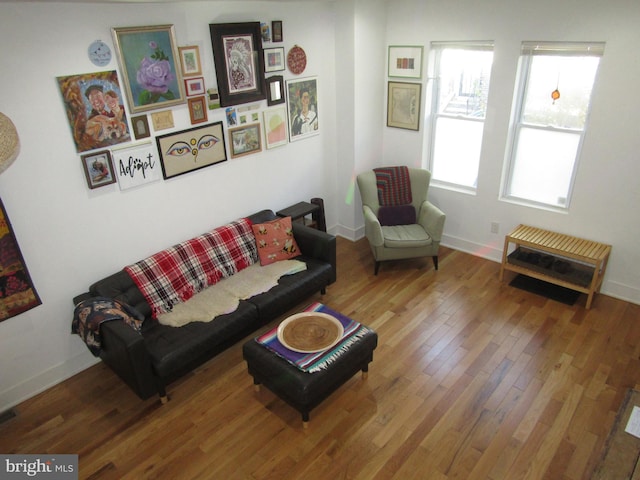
(546, 289)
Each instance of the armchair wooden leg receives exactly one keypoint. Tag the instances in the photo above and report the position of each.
(377, 267)
(435, 261)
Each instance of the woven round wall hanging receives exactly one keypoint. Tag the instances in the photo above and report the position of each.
(9, 142)
(296, 60)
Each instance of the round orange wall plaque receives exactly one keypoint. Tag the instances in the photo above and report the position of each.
(296, 60)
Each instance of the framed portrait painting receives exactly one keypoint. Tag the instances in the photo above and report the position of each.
(98, 168)
(405, 61)
(148, 60)
(239, 62)
(403, 105)
(302, 107)
(95, 110)
(192, 149)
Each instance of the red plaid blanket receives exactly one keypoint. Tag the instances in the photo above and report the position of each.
(176, 274)
(394, 186)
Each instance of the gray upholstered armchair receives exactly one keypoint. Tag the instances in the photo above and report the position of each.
(415, 230)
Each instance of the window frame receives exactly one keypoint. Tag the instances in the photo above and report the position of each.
(528, 51)
(437, 48)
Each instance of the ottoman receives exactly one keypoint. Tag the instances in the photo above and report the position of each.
(304, 381)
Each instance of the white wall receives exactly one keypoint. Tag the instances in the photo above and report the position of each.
(607, 193)
(71, 236)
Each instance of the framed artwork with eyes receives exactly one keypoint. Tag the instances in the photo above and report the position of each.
(191, 149)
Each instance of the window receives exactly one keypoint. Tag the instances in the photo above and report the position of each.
(549, 121)
(458, 110)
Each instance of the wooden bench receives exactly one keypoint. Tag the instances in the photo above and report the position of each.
(563, 260)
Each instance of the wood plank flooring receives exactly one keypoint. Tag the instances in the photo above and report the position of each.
(472, 379)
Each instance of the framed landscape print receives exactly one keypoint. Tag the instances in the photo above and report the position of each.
(93, 102)
(302, 107)
(245, 140)
(405, 61)
(191, 149)
(403, 105)
(98, 168)
(239, 62)
(148, 60)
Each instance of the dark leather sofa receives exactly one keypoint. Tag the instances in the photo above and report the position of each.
(149, 361)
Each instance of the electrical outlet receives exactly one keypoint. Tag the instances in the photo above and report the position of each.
(495, 227)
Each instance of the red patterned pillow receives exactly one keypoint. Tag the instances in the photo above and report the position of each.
(275, 241)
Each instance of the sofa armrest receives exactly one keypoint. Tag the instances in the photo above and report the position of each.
(124, 350)
(316, 244)
(372, 228)
(432, 220)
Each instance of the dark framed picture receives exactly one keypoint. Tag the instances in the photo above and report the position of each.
(245, 140)
(148, 59)
(197, 109)
(276, 31)
(194, 86)
(274, 60)
(275, 90)
(191, 149)
(98, 168)
(403, 105)
(140, 126)
(239, 62)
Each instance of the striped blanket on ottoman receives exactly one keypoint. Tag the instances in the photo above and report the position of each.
(176, 274)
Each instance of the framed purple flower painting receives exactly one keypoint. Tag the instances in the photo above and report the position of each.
(148, 59)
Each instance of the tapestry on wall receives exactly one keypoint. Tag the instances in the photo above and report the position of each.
(17, 293)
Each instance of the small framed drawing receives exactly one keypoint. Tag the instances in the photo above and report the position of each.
(405, 61)
(274, 60)
(275, 126)
(190, 61)
(148, 60)
(98, 168)
(197, 109)
(245, 140)
(192, 149)
(275, 90)
(276, 30)
(239, 62)
(194, 86)
(140, 126)
(162, 120)
(403, 105)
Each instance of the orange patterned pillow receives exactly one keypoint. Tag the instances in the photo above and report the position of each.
(275, 240)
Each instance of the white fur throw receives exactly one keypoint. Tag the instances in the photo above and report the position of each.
(224, 296)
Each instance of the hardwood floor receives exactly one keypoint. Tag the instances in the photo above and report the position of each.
(472, 379)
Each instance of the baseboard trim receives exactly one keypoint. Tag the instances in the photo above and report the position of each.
(47, 379)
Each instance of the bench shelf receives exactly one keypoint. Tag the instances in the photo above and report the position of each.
(563, 260)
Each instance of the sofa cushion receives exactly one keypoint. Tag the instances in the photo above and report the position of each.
(275, 240)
